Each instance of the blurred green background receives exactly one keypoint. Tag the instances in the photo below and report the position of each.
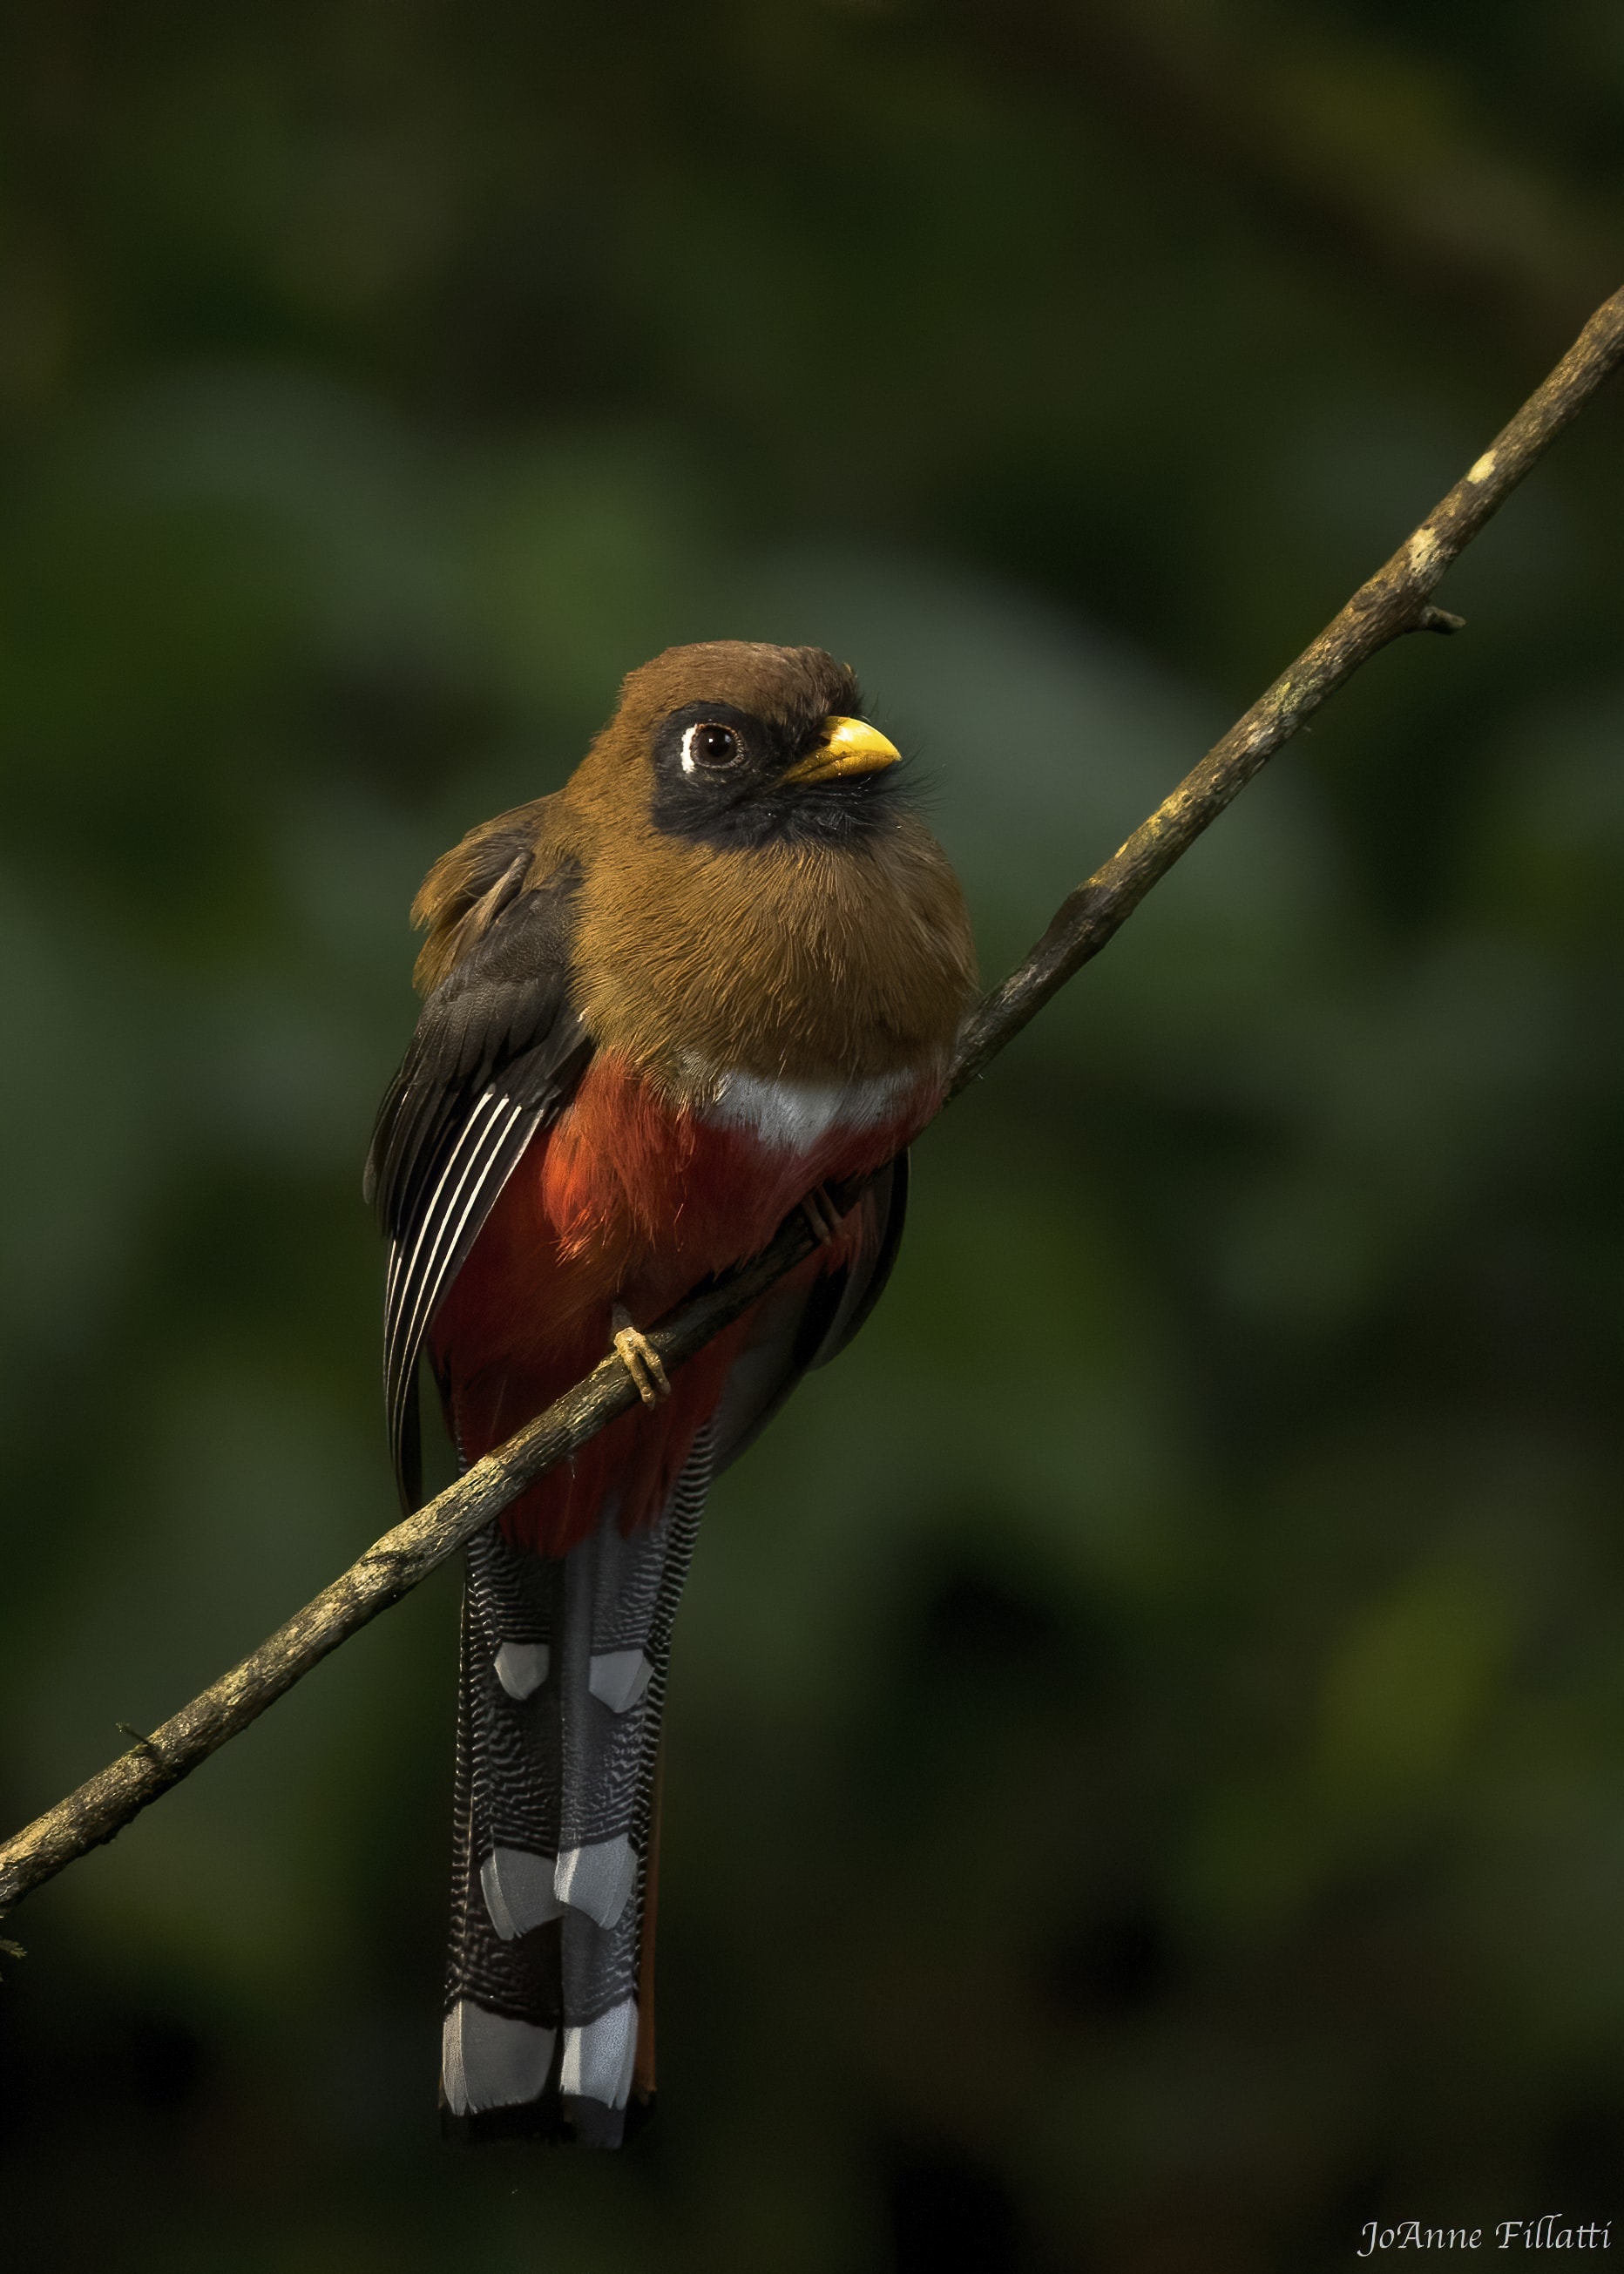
(1146, 1783)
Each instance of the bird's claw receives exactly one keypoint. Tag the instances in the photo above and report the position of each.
(640, 1359)
(820, 1211)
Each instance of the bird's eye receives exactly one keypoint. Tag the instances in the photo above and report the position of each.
(710, 746)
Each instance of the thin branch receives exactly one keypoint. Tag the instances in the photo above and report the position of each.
(1395, 601)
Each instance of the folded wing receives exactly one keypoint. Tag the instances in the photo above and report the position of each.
(497, 1055)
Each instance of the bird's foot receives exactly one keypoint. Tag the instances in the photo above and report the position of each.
(639, 1357)
(820, 1211)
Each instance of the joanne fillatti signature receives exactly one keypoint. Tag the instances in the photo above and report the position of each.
(1553, 2231)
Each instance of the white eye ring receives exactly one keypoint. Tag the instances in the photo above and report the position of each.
(700, 726)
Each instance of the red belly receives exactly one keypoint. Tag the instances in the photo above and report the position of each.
(626, 1198)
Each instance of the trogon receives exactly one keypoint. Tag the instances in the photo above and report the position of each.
(718, 971)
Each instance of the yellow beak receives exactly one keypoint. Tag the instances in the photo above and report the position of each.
(849, 747)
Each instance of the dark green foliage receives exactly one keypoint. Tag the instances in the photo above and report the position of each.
(1236, 1454)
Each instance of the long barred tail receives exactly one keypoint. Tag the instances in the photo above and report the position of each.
(563, 1692)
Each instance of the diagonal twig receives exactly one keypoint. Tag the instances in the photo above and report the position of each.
(1396, 601)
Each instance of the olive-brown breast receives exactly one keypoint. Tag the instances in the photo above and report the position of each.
(819, 963)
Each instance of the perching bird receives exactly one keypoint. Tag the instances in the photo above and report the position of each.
(722, 967)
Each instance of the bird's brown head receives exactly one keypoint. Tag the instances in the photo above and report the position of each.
(749, 891)
(736, 745)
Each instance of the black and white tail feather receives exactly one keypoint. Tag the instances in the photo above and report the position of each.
(563, 1686)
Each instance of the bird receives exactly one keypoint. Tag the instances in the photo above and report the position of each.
(714, 978)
